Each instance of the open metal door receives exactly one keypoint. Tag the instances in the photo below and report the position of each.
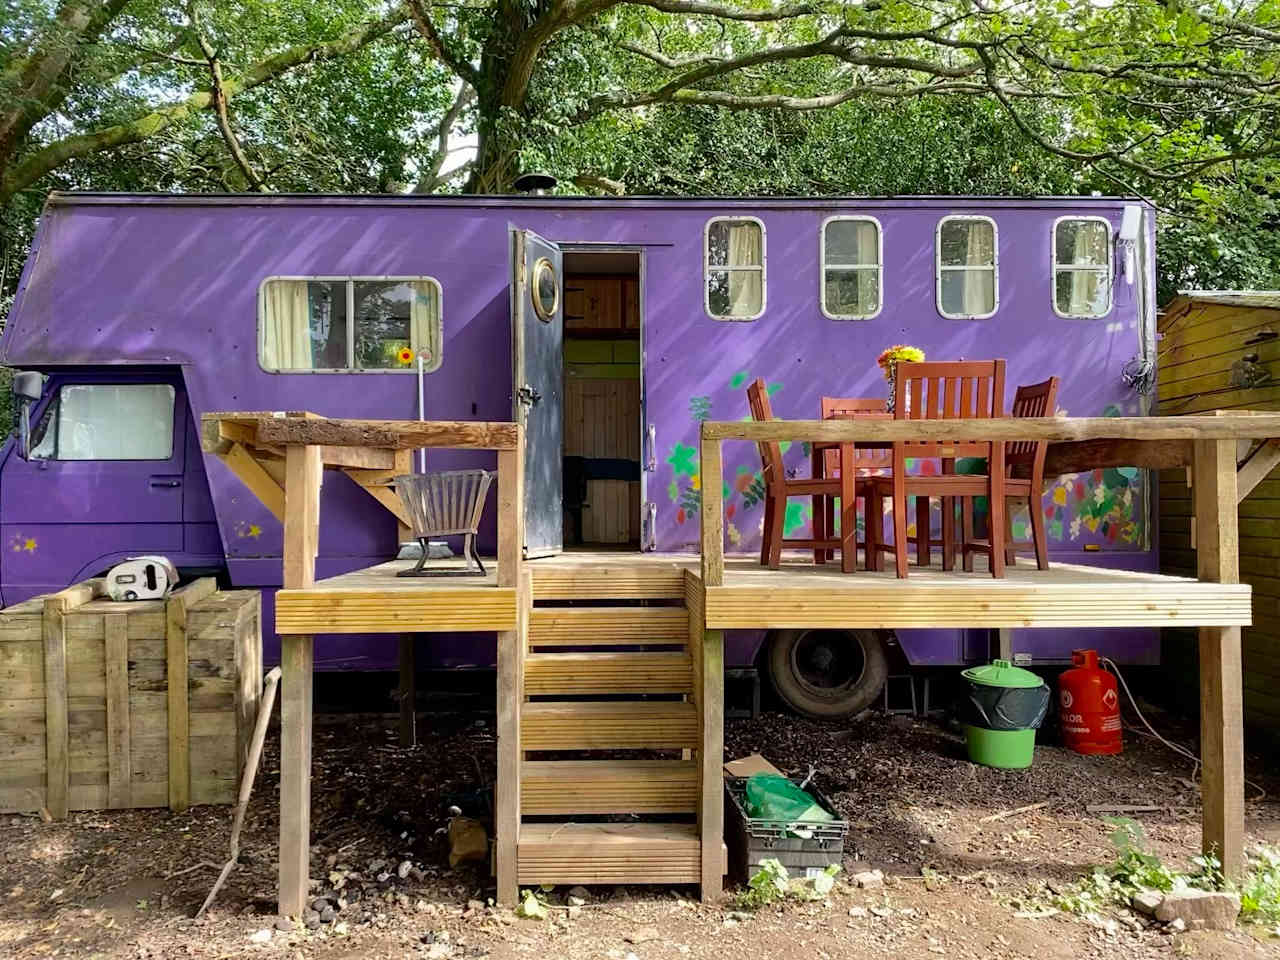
(537, 370)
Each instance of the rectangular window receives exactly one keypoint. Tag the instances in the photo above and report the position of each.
(852, 280)
(1081, 267)
(106, 421)
(968, 285)
(734, 261)
(349, 324)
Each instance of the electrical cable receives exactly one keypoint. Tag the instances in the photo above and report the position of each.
(1175, 747)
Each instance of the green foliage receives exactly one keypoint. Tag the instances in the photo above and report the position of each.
(773, 884)
(1260, 891)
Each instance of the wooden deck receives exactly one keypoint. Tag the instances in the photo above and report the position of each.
(800, 594)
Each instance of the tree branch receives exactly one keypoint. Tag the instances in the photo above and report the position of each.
(422, 20)
(431, 179)
(595, 181)
(220, 103)
(40, 162)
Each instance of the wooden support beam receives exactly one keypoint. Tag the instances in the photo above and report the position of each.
(358, 458)
(1080, 456)
(711, 807)
(512, 647)
(385, 496)
(254, 476)
(57, 738)
(711, 472)
(510, 515)
(407, 694)
(115, 628)
(303, 469)
(1257, 467)
(390, 434)
(177, 673)
(1221, 678)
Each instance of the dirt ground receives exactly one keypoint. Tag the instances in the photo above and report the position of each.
(125, 884)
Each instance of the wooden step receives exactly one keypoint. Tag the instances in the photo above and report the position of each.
(621, 725)
(611, 672)
(589, 579)
(588, 626)
(563, 853)
(564, 787)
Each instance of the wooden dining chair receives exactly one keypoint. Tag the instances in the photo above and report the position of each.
(1024, 465)
(944, 391)
(826, 461)
(778, 487)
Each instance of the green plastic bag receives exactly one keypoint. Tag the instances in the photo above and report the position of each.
(774, 797)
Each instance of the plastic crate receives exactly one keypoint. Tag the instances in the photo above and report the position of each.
(752, 840)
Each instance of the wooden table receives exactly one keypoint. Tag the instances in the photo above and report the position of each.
(848, 489)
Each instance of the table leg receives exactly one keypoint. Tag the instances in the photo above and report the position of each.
(296, 661)
(848, 511)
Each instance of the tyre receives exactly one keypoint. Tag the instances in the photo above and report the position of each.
(827, 674)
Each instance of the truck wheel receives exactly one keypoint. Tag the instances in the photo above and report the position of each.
(827, 674)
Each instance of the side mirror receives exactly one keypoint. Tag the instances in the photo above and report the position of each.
(28, 387)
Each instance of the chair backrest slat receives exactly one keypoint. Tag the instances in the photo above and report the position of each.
(850, 408)
(770, 451)
(1032, 400)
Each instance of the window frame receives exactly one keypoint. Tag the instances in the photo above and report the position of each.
(350, 280)
(822, 267)
(707, 267)
(1054, 267)
(938, 267)
(51, 409)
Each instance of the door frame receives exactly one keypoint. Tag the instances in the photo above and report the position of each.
(648, 452)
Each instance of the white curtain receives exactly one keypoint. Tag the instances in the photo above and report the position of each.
(979, 286)
(111, 422)
(1088, 287)
(286, 321)
(745, 286)
(424, 323)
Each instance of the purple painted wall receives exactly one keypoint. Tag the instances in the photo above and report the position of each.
(173, 281)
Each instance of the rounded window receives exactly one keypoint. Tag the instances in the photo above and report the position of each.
(546, 290)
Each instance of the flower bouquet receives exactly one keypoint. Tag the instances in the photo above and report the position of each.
(889, 360)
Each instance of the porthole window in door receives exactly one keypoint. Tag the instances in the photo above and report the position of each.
(546, 290)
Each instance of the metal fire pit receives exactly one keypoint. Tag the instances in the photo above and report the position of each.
(441, 505)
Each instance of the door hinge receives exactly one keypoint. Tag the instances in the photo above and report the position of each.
(650, 526)
(652, 463)
(528, 396)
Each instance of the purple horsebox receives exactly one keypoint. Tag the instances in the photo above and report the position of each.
(145, 311)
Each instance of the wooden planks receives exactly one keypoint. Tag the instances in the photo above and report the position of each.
(57, 743)
(566, 787)
(621, 725)
(708, 647)
(600, 580)
(177, 658)
(119, 761)
(512, 647)
(712, 470)
(562, 853)
(607, 673)
(1221, 680)
(436, 606)
(302, 429)
(254, 476)
(582, 626)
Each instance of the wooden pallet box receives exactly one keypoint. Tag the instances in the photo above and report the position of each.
(88, 717)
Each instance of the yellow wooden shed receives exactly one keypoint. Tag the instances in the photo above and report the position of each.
(1221, 350)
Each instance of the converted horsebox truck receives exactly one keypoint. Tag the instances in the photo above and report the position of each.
(135, 314)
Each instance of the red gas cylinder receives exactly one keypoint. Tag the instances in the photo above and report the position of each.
(1089, 706)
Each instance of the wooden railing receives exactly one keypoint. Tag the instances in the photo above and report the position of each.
(1206, 444)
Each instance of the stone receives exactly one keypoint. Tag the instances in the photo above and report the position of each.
(881, 912)
(438, 951)
(402, 871)
(319, 903)
(573, 901)
(285, 925)
(327, 914)
(858, 912)
(1200, 909)
(310, 919)
(475, 904)
(261, 936)
(581, 893)
(1176, 925)
(1147, 901)
(574, 912)
(643, 935)
(868, 879)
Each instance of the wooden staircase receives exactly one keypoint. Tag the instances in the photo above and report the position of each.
(613, 662)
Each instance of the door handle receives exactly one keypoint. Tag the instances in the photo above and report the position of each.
(166, 482)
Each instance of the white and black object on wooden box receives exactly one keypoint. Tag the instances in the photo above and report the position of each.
(142, 578)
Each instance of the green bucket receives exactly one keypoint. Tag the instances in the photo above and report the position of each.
(1006, 749)
(1006, 704)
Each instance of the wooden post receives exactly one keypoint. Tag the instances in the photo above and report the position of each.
(115, 627)
(712, 475)
(408, 692)
(57, 737)
(303, 468)
(711, 807)
(511, 512)
(512, 645)
(1221, 678)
